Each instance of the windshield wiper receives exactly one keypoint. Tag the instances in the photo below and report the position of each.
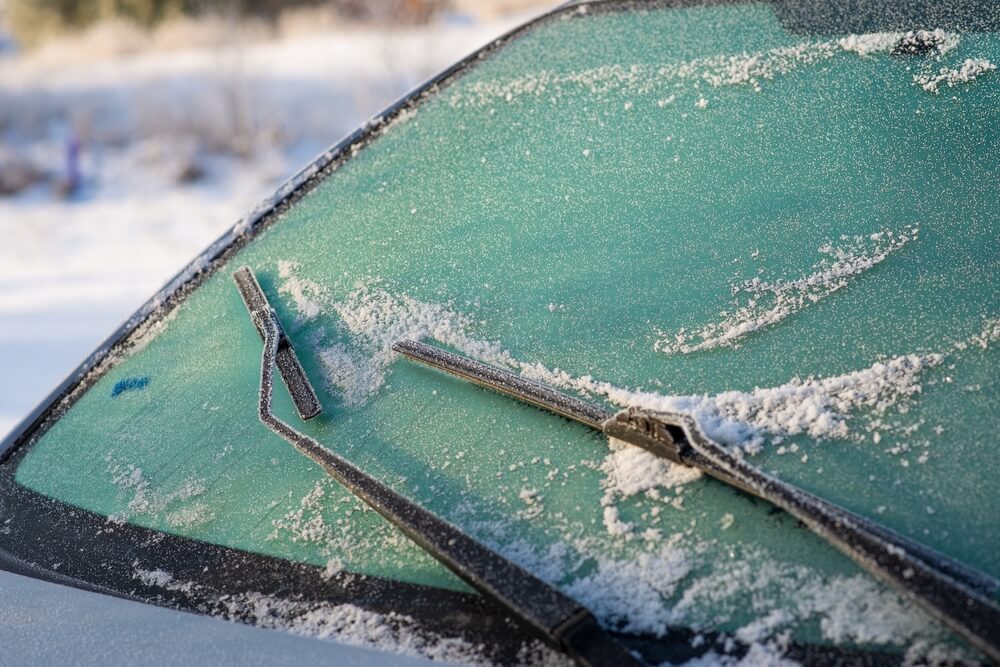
(559, 618)
(301, 391)
(948, 590)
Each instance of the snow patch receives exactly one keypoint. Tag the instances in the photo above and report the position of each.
(630, 470)
(768, 654)
(968, 72)
(160, 578)
(857, 609)
(989, 334)
(870, 43)
(613, 523)
(373, 318)
(632, 594)
(146, 499)
(349, 624)
(762, 303)
(819, 407)
(305, 294)
(848, 608)
(189, 517)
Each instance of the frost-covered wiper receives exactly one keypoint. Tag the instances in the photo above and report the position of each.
(948, 590)
(559, 618)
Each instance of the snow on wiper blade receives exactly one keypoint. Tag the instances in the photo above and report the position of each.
(950, 591)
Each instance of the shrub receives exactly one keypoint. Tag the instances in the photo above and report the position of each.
(32, 21)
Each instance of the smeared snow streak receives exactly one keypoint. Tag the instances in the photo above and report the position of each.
(969, 71)
(761, 303)
(740, 69)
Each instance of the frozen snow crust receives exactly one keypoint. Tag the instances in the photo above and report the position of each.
(798, 280)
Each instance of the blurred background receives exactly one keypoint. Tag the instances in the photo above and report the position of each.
(134, 132)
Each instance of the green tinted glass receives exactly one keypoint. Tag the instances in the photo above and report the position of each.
(791, 236)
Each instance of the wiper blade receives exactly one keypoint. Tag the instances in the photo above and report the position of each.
(301, 391)
(950, 591)
(559, 618)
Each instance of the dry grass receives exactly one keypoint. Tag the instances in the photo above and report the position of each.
(189, 89)
(116, 35)
(113, 38)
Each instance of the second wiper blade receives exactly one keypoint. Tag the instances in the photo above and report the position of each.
(948, 590)
(505, 382)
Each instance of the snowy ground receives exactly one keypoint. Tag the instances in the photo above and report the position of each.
(175, 146)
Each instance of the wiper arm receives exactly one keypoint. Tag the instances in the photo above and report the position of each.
(950, 591)
(559, 618)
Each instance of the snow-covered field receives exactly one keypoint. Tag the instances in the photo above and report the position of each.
(174, 147)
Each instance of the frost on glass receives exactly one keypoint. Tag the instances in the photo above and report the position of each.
(792, 237)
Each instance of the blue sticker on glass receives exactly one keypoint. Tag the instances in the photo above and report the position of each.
(129, 384)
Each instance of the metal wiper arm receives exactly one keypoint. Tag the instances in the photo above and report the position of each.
(948, 590)
(559, 618)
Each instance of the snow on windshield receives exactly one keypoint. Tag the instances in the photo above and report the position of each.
(375, 317)
(743, 69)
(865, 405)
(768, 302)
(702, 235)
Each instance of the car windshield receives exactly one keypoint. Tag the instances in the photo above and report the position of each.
(784, 227)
